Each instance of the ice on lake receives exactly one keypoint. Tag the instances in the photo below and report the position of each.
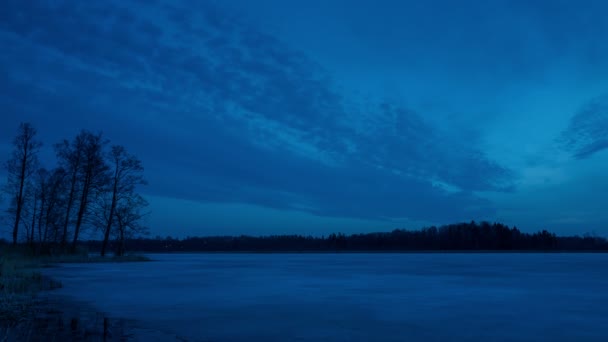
(353, 297)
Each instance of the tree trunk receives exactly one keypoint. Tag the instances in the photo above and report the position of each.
(106, 236)
(20, 196)
(121, 243)
(64, 238)
(47, 218)
(42, 203)
(81, 211)
(30, 237)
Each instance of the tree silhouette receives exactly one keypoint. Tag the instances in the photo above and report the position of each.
(70, 156)
(51, 212)
(127, 173)
(454, 237)
(40, 197)
(20, 168)
(128, 218)
(90, 187)
(91, 175)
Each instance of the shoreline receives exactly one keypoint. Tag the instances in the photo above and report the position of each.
(37, 313)
(57, 318)
(81, 321)
(383, 252)
(31, 309)
(49, 316)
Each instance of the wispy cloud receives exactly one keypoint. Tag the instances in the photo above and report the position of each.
(587, 132)
(222, 113)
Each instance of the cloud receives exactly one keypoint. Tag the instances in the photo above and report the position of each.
(221, 113)
(587, 131)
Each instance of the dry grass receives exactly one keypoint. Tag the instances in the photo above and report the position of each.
(25, 317)
(20, 281)
(71, 258)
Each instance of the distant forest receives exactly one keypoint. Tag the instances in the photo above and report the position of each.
(471, 236)
(94, 186)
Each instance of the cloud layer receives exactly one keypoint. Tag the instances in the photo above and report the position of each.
(587, 132)
(221, 112)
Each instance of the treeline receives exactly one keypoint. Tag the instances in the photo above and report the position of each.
(455, 237)
(92, 186)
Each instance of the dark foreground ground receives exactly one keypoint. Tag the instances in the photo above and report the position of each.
(31, 309)
(57, 318)
(61, 319)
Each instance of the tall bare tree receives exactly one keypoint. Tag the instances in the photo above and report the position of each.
(30, 230)
(42, 196)
(56, 202)
(20, 168)
(127, 173)
(129, 214)
(51, 192)
(91, 176)
(70, 156)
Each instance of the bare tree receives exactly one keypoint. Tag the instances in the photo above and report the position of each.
(70, 156)
(42, 196)
(127, 173)
(30, 229)
(45, 207)
(92, 175)
(56, 202)
(129, 215)
(20, 168)
(50, 204)
(31, 208)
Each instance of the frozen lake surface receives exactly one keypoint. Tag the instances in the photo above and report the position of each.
(354, 297)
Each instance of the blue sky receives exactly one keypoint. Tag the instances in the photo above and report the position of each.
(270, 116)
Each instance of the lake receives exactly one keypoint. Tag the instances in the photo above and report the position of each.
(353, 297)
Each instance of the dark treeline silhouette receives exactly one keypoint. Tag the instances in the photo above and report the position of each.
(93, 186)
(455, 237)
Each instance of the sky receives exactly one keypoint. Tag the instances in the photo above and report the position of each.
(311, 117)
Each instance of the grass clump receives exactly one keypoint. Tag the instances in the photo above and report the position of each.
(24, 316)
(72, 258)
(20, 281)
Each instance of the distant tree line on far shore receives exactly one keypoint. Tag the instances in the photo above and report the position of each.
(92, 186)
(471, 236)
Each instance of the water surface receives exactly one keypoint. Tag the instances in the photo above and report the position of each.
(353, 297)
